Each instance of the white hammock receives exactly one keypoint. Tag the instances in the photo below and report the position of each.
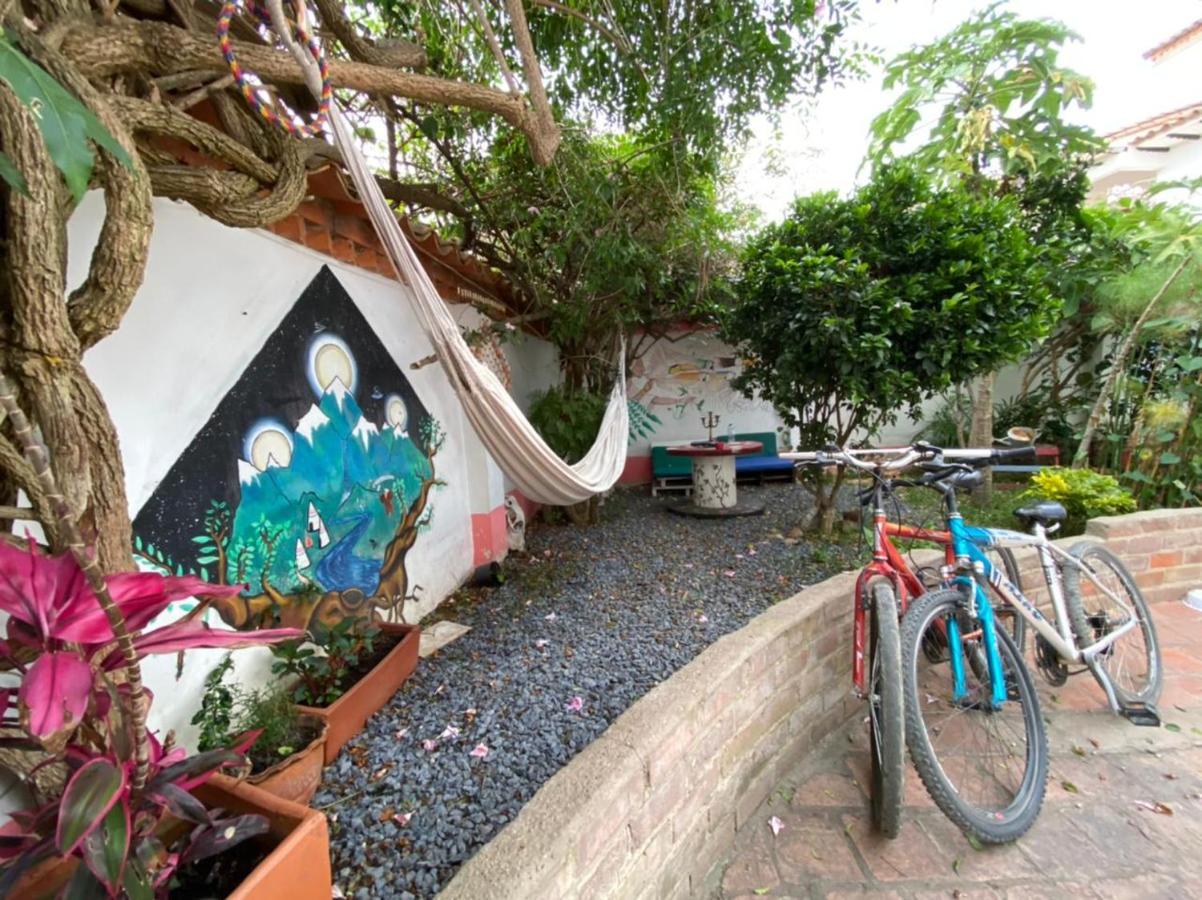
(517, 448)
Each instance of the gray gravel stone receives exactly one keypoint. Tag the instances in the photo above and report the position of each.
(603, 614)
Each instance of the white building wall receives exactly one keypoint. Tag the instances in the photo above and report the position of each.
(211, 297)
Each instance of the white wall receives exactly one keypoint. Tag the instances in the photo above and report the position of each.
(680, 382)
(211, 296)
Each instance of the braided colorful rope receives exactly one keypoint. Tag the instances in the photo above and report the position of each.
(290, 122)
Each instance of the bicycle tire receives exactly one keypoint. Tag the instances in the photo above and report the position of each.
(991, 826)
(886, 712)
(1084, 616)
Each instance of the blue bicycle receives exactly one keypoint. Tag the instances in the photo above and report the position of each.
(973, 721)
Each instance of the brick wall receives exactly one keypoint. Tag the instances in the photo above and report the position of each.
(651, 808)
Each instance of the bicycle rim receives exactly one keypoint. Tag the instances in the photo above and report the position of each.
(985, 768)
(1132, 662)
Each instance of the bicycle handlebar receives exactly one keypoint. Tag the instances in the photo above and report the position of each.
(897, 458)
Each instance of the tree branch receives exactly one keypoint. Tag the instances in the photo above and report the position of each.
(160, 49)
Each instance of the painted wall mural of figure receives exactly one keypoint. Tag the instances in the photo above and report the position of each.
(310, 482)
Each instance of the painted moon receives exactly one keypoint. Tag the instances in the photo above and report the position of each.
(395, 413)
(329, 359)
(269, 446)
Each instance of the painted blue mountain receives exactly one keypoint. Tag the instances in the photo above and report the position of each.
(326, 515)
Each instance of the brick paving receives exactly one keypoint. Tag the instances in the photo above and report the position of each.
(1096, 835)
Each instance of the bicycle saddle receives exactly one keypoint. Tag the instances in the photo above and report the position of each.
(1045, 512)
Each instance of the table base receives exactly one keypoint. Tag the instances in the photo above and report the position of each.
(717, 512)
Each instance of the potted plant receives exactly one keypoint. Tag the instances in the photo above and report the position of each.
(130, 816)
(357, 668)
(289, 749)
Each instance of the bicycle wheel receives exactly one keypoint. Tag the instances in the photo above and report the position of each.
(1132, 663)
(986, 768)
(886, 712)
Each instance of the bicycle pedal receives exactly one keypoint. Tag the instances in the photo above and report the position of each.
(1141, 714)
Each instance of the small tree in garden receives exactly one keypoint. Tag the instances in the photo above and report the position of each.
(999, 99)
(852, 309)
(1156, 298)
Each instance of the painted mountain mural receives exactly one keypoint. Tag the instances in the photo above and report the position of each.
(310, 482)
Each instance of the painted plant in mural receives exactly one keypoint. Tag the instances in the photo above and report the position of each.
(311, 481)
(670, 381)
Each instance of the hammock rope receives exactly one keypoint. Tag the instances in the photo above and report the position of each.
(514, 444)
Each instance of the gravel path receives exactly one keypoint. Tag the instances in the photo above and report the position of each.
(585, 624)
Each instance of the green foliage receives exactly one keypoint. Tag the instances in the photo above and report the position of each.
(853, 308)
(1084, 493)
(694, 71)
(322, 672)
(568, 420)
(228, 711)
(1000, 95)
(68, 127)
(215, 718)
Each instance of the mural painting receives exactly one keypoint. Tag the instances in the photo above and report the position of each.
(310, 482)
(671, 380)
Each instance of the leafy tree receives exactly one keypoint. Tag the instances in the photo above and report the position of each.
(987, 106)
(999, 97)
(1164, 278)
(441, 76)
(616, 236)
(853, 308)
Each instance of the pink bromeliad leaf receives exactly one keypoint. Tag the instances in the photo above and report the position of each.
(140, 596)
(54, 693)
(37, 590)
(193, 635)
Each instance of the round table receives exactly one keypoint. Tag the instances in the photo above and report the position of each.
(715, 494)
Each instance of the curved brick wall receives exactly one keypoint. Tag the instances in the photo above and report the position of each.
(651, 808)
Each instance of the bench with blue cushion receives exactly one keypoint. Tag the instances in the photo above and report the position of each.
(765, 464)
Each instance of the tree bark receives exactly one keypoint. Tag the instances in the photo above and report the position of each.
(1117, 366)
(981, 429)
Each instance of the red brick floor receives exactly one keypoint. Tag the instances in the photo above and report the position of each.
(1095, 837)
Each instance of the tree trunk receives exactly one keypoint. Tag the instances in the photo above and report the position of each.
(981, 430)
(1117, 366)
(825, 496)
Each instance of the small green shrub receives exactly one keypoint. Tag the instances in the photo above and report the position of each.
(568, 420)
(228, 711)
(1084, 493)
(321, 678)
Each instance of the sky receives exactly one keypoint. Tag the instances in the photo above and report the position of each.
(821, 148)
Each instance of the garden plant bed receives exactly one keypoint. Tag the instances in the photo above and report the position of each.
(586, 623)
(370, 685)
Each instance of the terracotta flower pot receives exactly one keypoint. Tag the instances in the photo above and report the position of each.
(298, 868)
(348, 714)
(297, 865)
(297, 777)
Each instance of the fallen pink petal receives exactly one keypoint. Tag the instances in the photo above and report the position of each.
(402, 819)
(575, 704)
(402, 734)
(480, 751)
(550, 617)
(776, 825)
(429, 746)
(450, 731)
(703, 618)
(729, 573)
(541, 642)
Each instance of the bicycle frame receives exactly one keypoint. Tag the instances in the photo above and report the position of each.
(889, 563)
(967, 544)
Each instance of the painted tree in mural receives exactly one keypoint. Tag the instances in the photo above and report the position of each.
(134, 97)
